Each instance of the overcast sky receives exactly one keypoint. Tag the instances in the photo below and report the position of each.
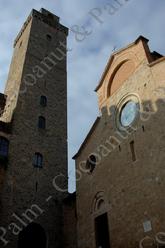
(113, 28)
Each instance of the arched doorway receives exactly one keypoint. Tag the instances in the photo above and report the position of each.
(33, 236)
(101, 223)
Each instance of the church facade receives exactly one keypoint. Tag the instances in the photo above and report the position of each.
(120, 164)
(119, 200)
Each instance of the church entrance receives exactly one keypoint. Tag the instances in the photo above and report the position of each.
(102, 231)
(33, 236)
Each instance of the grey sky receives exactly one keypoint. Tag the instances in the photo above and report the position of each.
(88, 58)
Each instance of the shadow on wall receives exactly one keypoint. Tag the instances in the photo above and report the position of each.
(33, 236)
(146, 143)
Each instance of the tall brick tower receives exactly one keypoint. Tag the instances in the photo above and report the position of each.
(33, 135)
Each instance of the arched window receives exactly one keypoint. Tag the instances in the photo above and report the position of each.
(43, 101)
(42, 122)
(49, 37)
(4, 147)
(91, 163)
(38, 160)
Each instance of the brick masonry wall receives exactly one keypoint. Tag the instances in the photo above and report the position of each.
(133, 192)
(25, 185)
(70, 221)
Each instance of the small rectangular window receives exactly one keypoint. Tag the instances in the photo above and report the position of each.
(38, 160)
(41, 122)
(43, 101)
(132, 147)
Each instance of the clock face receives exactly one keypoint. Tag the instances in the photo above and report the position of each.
(128, 113)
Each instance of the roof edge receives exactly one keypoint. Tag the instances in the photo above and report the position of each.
(112, 57)
(87, 137)
(157, 61)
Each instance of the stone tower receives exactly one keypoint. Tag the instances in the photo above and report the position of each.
(33, 134)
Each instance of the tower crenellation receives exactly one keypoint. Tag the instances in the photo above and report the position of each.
(44, 16)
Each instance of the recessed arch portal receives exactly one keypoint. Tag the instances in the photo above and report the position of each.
(122, 72)
(101, 222)
(99, 203)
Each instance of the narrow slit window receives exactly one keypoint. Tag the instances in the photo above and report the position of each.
(20, 44)
(43, 101)
(91, 163)
(38, 160)
(36, 186)
(41, 122)
(132, 147)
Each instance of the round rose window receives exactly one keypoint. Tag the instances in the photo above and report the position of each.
(128, 113)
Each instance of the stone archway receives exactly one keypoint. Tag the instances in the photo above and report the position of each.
(121, 73)
(32, 236)
(99, 209)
